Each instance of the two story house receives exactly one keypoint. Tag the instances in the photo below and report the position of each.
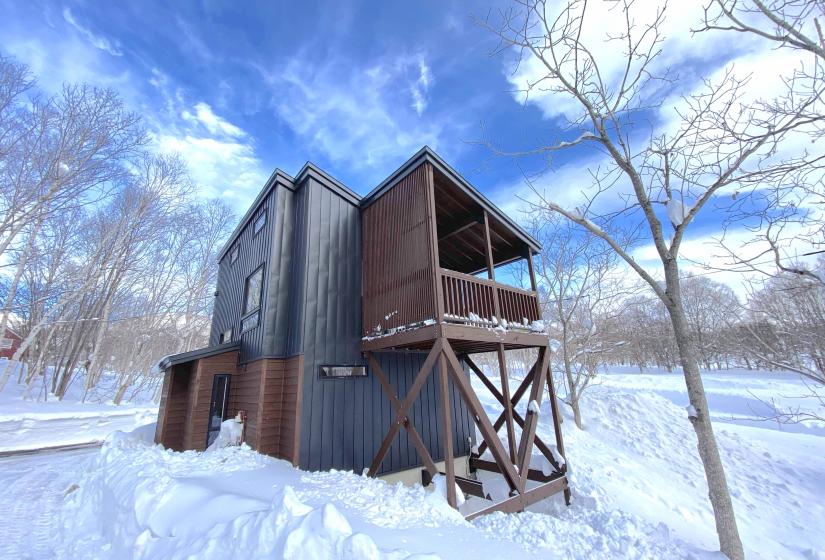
(343, 330)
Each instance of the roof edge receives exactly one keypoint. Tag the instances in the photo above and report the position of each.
(198, 354)
(312, 170)
(285, 179)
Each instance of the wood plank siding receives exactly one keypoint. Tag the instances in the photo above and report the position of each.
(398, 266)
(266, 389)
(173, 402)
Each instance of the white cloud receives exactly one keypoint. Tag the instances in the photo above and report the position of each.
(214, 124)
(221, 157)
(220, 167)
(603, 22)
(98, 41)
(362, 117)
(420, 87)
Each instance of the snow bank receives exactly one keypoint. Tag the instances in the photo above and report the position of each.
(229, 435)
(138, 500)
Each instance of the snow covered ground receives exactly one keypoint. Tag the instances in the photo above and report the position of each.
(30, 421)
(638, 492)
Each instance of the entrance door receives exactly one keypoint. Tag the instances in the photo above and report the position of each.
(218, 407)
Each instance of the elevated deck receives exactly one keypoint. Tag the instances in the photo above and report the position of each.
(465, 338)
(426, 244)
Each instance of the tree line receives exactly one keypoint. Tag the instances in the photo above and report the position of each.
(598, 319)
(107, 256)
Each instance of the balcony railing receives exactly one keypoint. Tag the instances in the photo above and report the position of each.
(469, 299)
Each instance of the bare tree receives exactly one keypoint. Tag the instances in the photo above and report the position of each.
(106, 259)
(711, 308)
(55, 153)
(579, 291)
(786, 325)
(663, 176)
(787, 212)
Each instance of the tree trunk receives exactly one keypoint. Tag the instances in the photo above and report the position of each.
(726, 528)
(577, 415)
(572, 389)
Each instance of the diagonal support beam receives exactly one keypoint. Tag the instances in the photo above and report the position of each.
(528, 433)
(426, 458)
(545, 450)
(484, 425)
(401, 415)
(522, 388)
(504, 399)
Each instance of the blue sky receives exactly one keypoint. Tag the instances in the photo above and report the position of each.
(355, 87)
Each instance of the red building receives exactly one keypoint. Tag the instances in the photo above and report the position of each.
(9, 343)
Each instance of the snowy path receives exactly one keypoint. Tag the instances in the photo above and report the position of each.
(33, 488)
(47, 427)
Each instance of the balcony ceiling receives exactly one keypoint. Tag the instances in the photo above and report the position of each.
(460, 220)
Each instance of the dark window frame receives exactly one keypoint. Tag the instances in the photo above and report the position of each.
(255, 228)
(363, 367)
(234, 253)
(247, 314)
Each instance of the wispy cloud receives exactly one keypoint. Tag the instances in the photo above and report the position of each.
(420, 87)
(221, 156)
(204, 115)
(98, 41)
(362, 117)
(679, 49)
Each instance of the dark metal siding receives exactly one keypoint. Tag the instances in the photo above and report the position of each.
(254, 251)
(279, 272)
(329, 269)
(401, 369)
(344, 420)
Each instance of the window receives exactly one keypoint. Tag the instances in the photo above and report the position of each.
(252, 299)
(254, 286)
(338, 372)
(249, 323)
(233, 254)
(259, 223)
(5, 343)
(226, 336)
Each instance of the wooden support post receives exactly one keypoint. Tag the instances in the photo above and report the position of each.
(438, 289)
(484, 425)
(528, 433)
(429, 464)
(533, 285)
(488, 249)
(491, 270)
(447, 425)
(508, 406)
(401, 414)
(554, 407)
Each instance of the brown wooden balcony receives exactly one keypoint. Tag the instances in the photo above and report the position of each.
(427, 238)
